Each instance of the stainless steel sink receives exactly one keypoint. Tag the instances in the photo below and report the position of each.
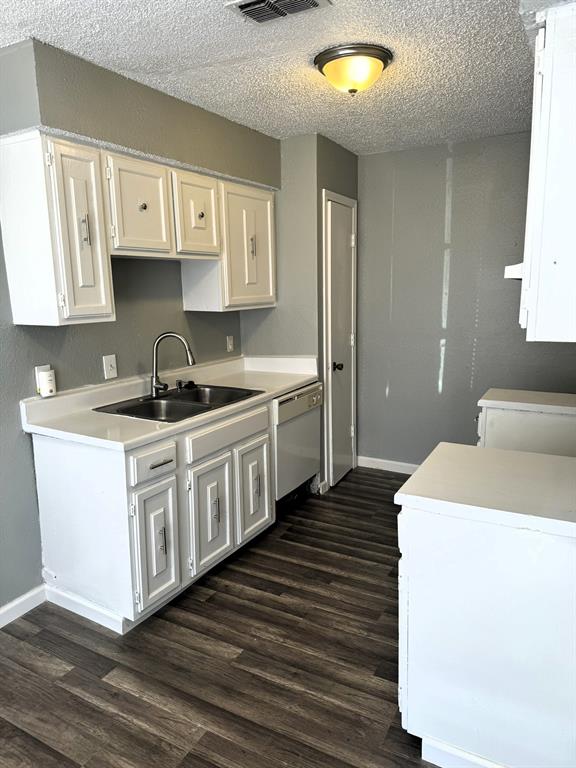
(211, 395)
(178, 404)
(162, 410)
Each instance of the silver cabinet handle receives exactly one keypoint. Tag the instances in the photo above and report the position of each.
(258, 490)
(162, 463)
(164, 545)
(216, 509)
(84, 230)
(253, 246)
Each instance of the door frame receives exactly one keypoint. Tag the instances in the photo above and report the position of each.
(328, 197)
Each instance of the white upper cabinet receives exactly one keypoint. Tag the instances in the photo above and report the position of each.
(548, 303)
(248, 234)
(196, 213)
(140, 210)
(51, 211)
(245, 276)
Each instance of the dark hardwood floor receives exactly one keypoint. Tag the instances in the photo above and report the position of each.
(284, 656)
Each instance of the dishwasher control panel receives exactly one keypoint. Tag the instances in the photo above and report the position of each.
(295, 403)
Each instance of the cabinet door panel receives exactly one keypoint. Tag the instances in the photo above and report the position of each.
(84, 261)
(156, 533)
(196, 213)
(248, 245)
(253, 503)
(210, 510)
(139, 204)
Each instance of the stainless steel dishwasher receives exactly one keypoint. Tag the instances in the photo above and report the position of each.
(297, 436)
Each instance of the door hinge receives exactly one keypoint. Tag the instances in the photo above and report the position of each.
(188, 485)
(191, 564)
(108, 172)
(49, 158)
(61, 301)
(353, 240)
(352, 339)
(352, 431)
(132, 510)
(113, 230)
(137, 598)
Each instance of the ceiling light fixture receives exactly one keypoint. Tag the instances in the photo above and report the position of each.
(353, 68)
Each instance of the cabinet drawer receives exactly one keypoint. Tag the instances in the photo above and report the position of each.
(201, 444)
(152, 461)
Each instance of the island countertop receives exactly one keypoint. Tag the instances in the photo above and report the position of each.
(524, 490)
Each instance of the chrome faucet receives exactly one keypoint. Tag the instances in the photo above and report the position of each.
(158, 386)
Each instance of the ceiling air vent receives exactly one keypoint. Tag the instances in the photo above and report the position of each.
(268, 10)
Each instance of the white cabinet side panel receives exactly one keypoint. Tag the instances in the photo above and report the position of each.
(491, 640)
(26, 232)
(84, 522)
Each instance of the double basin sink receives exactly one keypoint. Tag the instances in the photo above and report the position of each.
(181, 403)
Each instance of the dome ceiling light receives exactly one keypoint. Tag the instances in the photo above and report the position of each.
(353, 68)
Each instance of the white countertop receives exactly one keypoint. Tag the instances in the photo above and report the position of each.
(70, 415)
(524, 490)
(525, 400)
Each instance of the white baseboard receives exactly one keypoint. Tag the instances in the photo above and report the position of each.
(21, 605)
(446, 756)
(85, 608)
(386, 464)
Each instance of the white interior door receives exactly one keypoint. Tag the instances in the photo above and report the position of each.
(339, 334)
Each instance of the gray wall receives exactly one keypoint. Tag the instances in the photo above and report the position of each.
(467, 202)
(309, 164)
(19, 103)
(292, 327)
(77, 96)
(42, 85)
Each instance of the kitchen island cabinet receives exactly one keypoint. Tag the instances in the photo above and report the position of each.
(487, 669)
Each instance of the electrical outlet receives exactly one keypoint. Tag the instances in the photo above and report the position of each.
(229, 343)
(109, 366)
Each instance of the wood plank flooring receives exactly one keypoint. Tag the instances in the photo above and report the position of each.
(285, 656)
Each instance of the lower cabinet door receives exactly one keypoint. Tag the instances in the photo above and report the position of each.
(253, 502)
(156, 538)
(211, 510)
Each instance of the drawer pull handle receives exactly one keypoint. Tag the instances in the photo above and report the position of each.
(162, 463)
(164, 544)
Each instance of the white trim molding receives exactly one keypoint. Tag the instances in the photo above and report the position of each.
(21, 605)
(447, 756)
(86, 608)
(387, 465)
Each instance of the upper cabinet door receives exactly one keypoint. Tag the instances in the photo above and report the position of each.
(86, 282)
(548, 308)
(196, 213)
(249, 259)
(140, 209)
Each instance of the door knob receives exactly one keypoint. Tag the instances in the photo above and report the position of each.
(337, 366)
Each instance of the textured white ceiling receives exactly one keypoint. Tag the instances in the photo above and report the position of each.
(462, 68)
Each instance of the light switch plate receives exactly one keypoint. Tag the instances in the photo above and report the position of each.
(229, 343)
(109, 366)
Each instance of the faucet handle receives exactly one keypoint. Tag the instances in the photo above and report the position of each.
(181, 384)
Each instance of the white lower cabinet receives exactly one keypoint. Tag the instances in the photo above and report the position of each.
(124, 532)
(156, 542)
(253, 503)
(210, 500)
